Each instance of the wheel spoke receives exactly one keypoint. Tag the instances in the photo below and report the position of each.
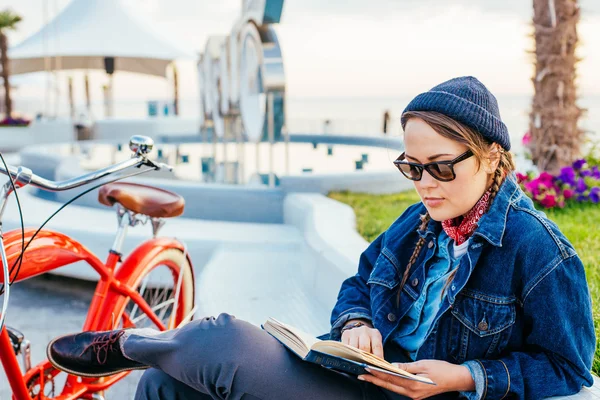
(142, 291)
(164, 283)
(154, 308)
(165, 309)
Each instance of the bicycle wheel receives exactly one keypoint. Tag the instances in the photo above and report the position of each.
(157, 283)
(167, 284)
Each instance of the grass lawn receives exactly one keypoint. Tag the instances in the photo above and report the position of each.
(579, 222)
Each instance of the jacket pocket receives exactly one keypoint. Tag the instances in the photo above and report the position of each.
(481, 326)
(383, 285)
(384, 273)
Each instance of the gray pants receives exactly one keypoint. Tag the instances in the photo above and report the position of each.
(227, 358)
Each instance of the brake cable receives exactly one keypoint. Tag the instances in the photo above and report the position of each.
(19, 260)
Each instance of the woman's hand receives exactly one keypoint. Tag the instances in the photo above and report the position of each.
(365, 338)
(447, 378)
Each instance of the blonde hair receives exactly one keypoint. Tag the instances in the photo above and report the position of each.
(479, 146)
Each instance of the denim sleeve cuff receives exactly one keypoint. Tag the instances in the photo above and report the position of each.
(353, 313)
(496, 378)
(477, 374)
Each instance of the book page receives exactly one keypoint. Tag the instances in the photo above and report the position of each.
(343, 350)
(297, 340)
(301, 343)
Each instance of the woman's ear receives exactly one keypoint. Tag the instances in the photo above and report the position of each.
(494, 159)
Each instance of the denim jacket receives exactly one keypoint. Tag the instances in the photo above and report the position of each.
(519, 304)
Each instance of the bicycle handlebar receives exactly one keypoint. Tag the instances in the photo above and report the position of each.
(23, 176)
(139, 144)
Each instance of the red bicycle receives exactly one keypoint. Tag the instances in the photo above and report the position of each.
(153, 286)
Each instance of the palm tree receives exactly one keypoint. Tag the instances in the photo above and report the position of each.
(8, 20)
(555, 137)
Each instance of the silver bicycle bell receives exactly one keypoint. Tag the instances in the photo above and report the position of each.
(141, 145)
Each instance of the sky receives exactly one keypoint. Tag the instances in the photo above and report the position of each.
(351, 48)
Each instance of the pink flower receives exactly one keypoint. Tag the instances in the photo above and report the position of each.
(533, 187)
(578, 183)
(546, 177)
(526, 138)
(540, 185)
(568, 193)
(522, 177)
(548, 201)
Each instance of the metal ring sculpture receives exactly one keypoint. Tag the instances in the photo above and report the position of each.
(238, 72)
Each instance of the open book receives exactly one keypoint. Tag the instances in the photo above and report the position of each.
(332, 354)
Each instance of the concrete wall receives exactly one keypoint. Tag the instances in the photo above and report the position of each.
(351, 140)
(356, 181)
(329, 230)
(215, 201)
(121, 129)
(46, 160)
(38, 132)
(205, 201)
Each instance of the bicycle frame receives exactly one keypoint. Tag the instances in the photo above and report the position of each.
(50, 250)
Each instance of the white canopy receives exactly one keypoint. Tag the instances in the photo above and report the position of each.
(86, 32)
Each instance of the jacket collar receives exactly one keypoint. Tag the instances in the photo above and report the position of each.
(493, 223)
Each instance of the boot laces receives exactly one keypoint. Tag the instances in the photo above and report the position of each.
(103, 345)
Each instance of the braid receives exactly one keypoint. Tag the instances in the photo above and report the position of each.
(498, 178)
(424, 222)
(480, 146)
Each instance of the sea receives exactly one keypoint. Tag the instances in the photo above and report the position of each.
(340, 115)
(347, 115)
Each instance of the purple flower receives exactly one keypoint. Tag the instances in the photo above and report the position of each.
(595, 194)
(579, 163)
(580, 186)
(14, 121)
(571, 184)
(567, 175)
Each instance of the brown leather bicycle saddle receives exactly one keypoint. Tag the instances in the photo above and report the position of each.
(142, 199)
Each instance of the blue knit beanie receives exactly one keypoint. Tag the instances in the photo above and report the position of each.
(467, 101)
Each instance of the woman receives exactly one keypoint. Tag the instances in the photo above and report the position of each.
(471, 287)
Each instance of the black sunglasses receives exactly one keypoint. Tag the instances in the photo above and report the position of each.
(440, 170)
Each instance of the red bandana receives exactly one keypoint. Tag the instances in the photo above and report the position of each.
(460, 228)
